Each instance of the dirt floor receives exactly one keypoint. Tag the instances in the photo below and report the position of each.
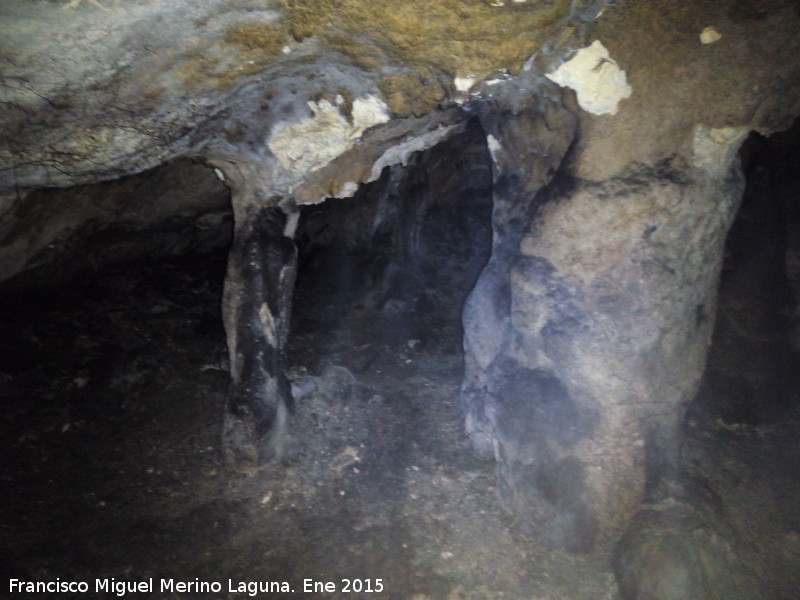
(112, 397)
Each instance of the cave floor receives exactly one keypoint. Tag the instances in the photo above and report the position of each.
(113, 394)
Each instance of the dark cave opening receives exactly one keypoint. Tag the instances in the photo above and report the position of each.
(113, 366)
(752, 374)
(55, 238)
(380, 274)
(116, 372)
(740, 451)
(392, 266)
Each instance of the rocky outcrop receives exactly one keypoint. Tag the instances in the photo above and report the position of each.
(612, 300)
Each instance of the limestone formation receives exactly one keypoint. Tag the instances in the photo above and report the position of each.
(613, 130)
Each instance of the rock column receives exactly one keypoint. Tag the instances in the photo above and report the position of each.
(256, 305)
(586, 335)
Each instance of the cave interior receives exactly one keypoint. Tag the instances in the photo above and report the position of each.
(115, 372)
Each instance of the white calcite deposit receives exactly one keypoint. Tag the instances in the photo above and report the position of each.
(596, 78)
(313, 142)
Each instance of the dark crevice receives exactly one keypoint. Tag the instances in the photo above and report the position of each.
(752, 376)
(395, 262)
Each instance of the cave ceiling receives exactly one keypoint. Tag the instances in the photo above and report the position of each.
(96, 90)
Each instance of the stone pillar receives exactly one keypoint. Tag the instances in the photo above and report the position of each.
(527, 146)
(587, 334)
(256, 308)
